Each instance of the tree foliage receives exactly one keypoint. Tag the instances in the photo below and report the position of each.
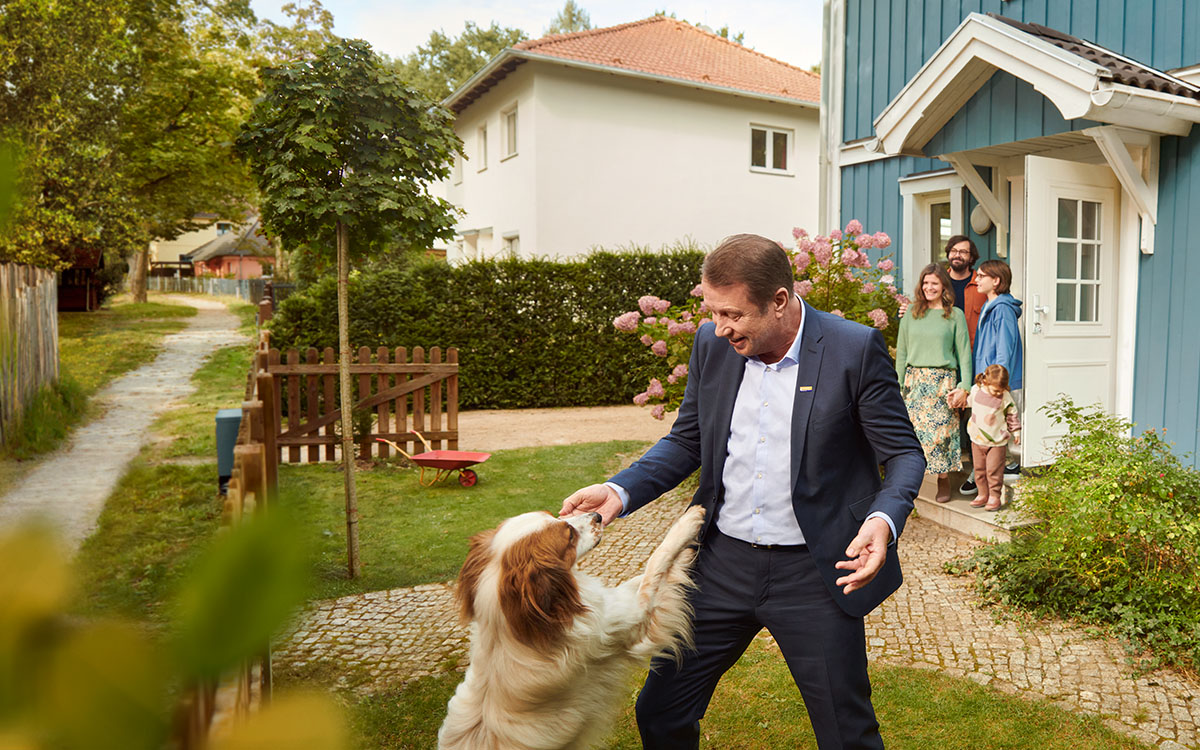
(570, 18)
(444, 63)
(723, 32)
(340, 137)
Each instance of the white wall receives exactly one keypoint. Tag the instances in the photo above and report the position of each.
(501, 199)
(623, 161)
(169, 250)
(606, 160)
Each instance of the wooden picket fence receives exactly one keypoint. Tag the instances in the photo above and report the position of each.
(28, 339)
(211, 707)
(397, 393)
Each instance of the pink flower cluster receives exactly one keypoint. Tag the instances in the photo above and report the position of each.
(879, 318)
(627, 321)
(680, 371)
(649, 303)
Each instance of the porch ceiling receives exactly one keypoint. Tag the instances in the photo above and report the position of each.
(1078, 86)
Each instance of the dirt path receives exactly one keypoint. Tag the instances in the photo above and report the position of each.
(523, 428)
(68, 489)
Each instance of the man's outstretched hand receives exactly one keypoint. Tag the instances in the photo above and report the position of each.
(595, 498)
(867, 552)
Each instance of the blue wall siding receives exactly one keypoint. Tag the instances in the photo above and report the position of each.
(871, 194)
(1005, 109)
(1166, 387)
(887, 41)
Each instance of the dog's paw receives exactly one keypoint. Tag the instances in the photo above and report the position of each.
(691, 520)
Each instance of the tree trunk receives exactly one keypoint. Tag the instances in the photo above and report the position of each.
(137, 274)
(343, 249)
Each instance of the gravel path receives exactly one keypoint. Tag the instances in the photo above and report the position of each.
(69, 488)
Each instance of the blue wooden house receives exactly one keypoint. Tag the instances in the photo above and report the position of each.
(1059, 135)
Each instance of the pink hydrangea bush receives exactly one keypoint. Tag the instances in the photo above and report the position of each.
(834, 273)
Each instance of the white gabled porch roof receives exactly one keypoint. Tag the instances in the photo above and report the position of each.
(1077, 86)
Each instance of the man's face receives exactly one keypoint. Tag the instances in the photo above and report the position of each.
(749, 330)
(960, 256)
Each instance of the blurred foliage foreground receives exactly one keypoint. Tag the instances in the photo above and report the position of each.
(100, 684)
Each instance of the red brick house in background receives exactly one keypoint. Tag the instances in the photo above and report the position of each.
(241, 254)
(79, 286)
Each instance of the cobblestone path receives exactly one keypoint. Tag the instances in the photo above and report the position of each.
(389, 637)
(68, 489)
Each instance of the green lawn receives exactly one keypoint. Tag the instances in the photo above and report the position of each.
(410, 534)
(757, 707)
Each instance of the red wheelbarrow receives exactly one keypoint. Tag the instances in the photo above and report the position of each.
(443, 462)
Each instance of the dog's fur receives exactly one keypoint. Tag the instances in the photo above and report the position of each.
(552, 649)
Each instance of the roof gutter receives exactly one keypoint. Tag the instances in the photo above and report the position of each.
(511, 53)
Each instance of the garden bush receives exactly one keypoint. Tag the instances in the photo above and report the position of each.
(530, 332)
(1118, 543)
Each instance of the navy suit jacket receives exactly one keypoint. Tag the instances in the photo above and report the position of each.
(851, 421)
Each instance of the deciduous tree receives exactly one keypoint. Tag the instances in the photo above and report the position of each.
(340, 145)
(444, 63)
(570, 18)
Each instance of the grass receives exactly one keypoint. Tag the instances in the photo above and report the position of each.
(409, 534)
(190, 430)
(155, 522)
(757, 707)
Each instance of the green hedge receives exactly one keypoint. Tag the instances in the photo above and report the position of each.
(530, 333)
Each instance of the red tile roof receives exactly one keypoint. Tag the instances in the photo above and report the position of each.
(664, 46)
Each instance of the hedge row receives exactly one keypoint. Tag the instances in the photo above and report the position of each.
(530, 333)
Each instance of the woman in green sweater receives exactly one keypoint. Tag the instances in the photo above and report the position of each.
(933, 362)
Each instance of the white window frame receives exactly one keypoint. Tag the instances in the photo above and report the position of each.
(510, 127)
(481, 147)
(457, 169)
(771, 131)
(512, 244)
(920, 193)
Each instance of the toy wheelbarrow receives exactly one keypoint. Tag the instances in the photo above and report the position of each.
(444, 463)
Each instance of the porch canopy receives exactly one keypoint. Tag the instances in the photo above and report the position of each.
(1082, 80)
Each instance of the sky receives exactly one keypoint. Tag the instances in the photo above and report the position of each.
(788, 30)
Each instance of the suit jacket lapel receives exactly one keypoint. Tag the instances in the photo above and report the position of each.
(733, 367)
(809, 367)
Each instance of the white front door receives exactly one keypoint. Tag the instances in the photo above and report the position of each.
(1071, 241)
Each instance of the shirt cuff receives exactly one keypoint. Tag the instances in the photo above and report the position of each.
(884, 516)
(624, 495)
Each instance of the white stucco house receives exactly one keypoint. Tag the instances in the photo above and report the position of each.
(643, 133)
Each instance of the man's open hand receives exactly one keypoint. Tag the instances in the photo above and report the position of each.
(595, 498)
(867, 552)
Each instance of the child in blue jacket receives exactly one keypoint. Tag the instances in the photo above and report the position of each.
(997, 338)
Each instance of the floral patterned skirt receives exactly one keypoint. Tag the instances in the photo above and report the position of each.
(925, 390)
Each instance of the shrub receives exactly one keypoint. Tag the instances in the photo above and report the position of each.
(1118, 540)
(834, 274)
(530, 333)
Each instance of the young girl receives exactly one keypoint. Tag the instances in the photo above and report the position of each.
(994, 421)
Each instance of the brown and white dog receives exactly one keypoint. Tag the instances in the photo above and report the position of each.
(552, 649)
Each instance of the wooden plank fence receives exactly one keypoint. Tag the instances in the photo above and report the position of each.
(394, 394)
(28, 339)
(210, 708)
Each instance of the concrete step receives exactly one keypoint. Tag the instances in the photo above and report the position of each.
(958, 514)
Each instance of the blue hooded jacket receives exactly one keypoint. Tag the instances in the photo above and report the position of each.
(998, 340)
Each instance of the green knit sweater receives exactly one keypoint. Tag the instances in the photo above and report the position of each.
(935, 341)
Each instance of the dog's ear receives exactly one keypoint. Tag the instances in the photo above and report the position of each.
(478, 556)
(538, 592)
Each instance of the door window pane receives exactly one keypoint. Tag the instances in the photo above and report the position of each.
(1087, 262)
(1066, 260)
(1088, 303)
(1064, 308)
(939, 229)
(779, 150)
(1067, 214)
(758, 147)
(1091, 220)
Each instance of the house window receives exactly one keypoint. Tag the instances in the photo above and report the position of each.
(512, 245)
(509, 118)
(940, 227)
(482, 135)
(1077, 297)
(223, 227)
(933, 212)
(769, 149)
(458, 169)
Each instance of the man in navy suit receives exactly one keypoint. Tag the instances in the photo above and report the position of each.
(788, 419)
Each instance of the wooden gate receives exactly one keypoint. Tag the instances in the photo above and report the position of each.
(393, 396)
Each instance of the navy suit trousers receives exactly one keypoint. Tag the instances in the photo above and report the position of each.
(741, 590)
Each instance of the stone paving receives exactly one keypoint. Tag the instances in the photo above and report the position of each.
(68, 489)
(387, 638)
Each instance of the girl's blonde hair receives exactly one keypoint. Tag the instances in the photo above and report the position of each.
(993, 379)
